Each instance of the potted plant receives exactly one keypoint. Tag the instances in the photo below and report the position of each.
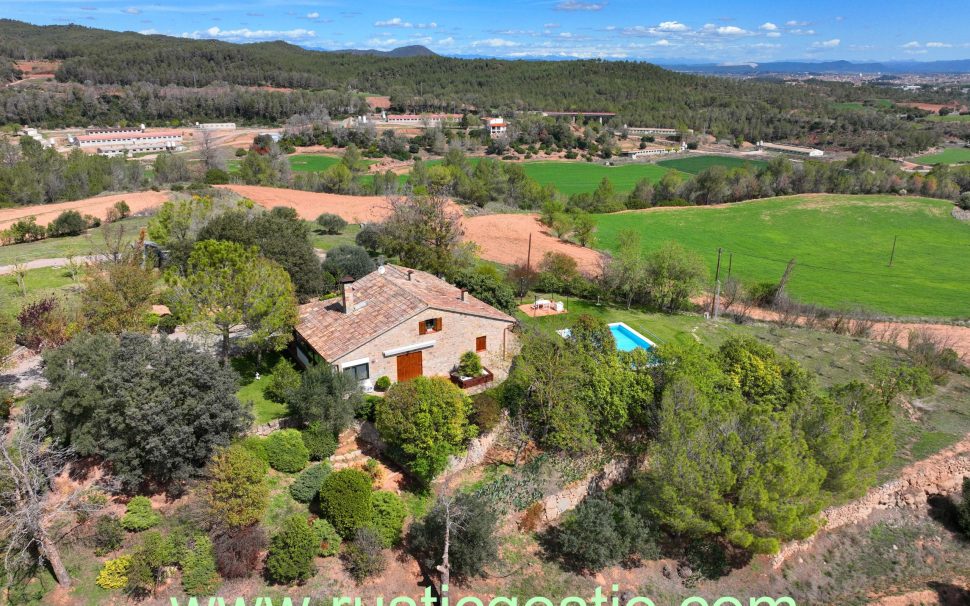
(470, 371)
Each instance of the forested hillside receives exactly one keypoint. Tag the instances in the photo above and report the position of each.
(640, 93)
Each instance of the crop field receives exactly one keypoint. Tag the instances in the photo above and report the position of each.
(858, 105)
(308, 163)
(948, 118)
(578, 177)
(841, 244)
(697, 164)
(952, 155)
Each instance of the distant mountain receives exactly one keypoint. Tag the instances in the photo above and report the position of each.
(824, 67)
(415, 50)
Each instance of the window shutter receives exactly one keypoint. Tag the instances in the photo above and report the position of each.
(422, 330)
(437, 324)
(480, 344)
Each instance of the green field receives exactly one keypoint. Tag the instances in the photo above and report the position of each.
(948, 118)
(50, 248)
(697, 164)
(841, 245)
(577, 177)
(951, 155)
(858, 105)
(311, 163)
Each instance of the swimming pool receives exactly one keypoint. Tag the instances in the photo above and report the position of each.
(628, 339)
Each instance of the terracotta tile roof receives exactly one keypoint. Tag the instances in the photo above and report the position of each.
(382, 300)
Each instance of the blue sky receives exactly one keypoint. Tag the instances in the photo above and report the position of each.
(658, 30)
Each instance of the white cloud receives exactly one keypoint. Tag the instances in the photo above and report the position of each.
(725, 30)
(773, 34)
(313, 15)
(938, 45)
(913, 44)
(248, 34)
(768, 26)
(834, 42)
(794, 23)
(398, 22)
(149, 32)
(550, 26)
(446, 41)
(802, 32)
(672, 26)
(765, 45)
(131, 10)
(495, 43)
(663, 42)
(575, 5)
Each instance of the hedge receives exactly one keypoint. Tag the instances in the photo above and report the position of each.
(286, 451)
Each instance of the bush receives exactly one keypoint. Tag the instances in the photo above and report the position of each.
(964, 201)
(25, 230)
(327, 538)
(286, 451)
(382, 383)
(473, 543)
(114, 573)
(365, 410)
(122, 208)
(486, 411)
(257, 446)
(216, 176)
(369, 237)
(199, 576)
(331, 223)
(236, 492)
(139, 515)
(284, 380)
(240, 152)
(388, 517)
(348, 260)
(148, 563)
(237, 550)
(319, 441)
(90, 221)
(68, 223)
(763, 294)
(308, 483)
(364, 556)
(168, 323)
(108, 535)
(345, 501)
(292, 551)
(470, 364)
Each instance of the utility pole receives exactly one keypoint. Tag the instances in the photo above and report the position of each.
(730, 263)
(892, 255)
(784, 280)
(717, 274)
(528, 254)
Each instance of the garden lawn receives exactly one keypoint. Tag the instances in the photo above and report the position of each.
(306, 163)
(327, 241)
(841, 245)
(696, 164)
(951, 155)
(251, 390)
(50, 248)
(41, 283)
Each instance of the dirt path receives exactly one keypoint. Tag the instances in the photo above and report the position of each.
(50, 262)
(97, 206)
(940, 474)
(505, 239)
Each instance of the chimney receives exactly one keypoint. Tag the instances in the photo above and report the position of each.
(463, 291)
(347, 293)
(410, 271)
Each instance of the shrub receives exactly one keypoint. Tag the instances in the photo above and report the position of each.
(486, 411)
(286, 451)
(964, 201)
(345, 501)
(348, 260)
(388, 517)
(473, 543)
(327, 538)
(108, 535)
(331, 223)
(114, 573)
(470, 364)
(763, 293)
(236, 493)
(149, 561)
(284, 380)
(319, 441)
(240, 152)
(139, 515)
(237, 550)
(365, 410)
(308, 483)
(382, 383)
(25, 230)
(6, 403)
(216, 176)
(369, 237)
(168, 323)
(424, 421)
(68, 223)
(257, 446)
(199, 576)
(90, 221)
(364, 557)
(292, 551)
(122, 208)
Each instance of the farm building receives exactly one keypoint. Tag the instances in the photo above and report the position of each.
(216, 126)
(419, 119)
(654, 151)
(400, 323)
(34, 134)
(791, 150)
(497, 126)
(574, 115)
(650, 130)
(114, 130)
(118, 143)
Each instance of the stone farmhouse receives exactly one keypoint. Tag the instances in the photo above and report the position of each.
(400, 323)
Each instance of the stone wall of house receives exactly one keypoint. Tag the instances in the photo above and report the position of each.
(457, 335)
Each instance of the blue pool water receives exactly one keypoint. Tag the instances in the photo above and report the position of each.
(628, 339)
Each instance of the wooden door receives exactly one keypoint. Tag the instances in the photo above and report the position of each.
(409, 366)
